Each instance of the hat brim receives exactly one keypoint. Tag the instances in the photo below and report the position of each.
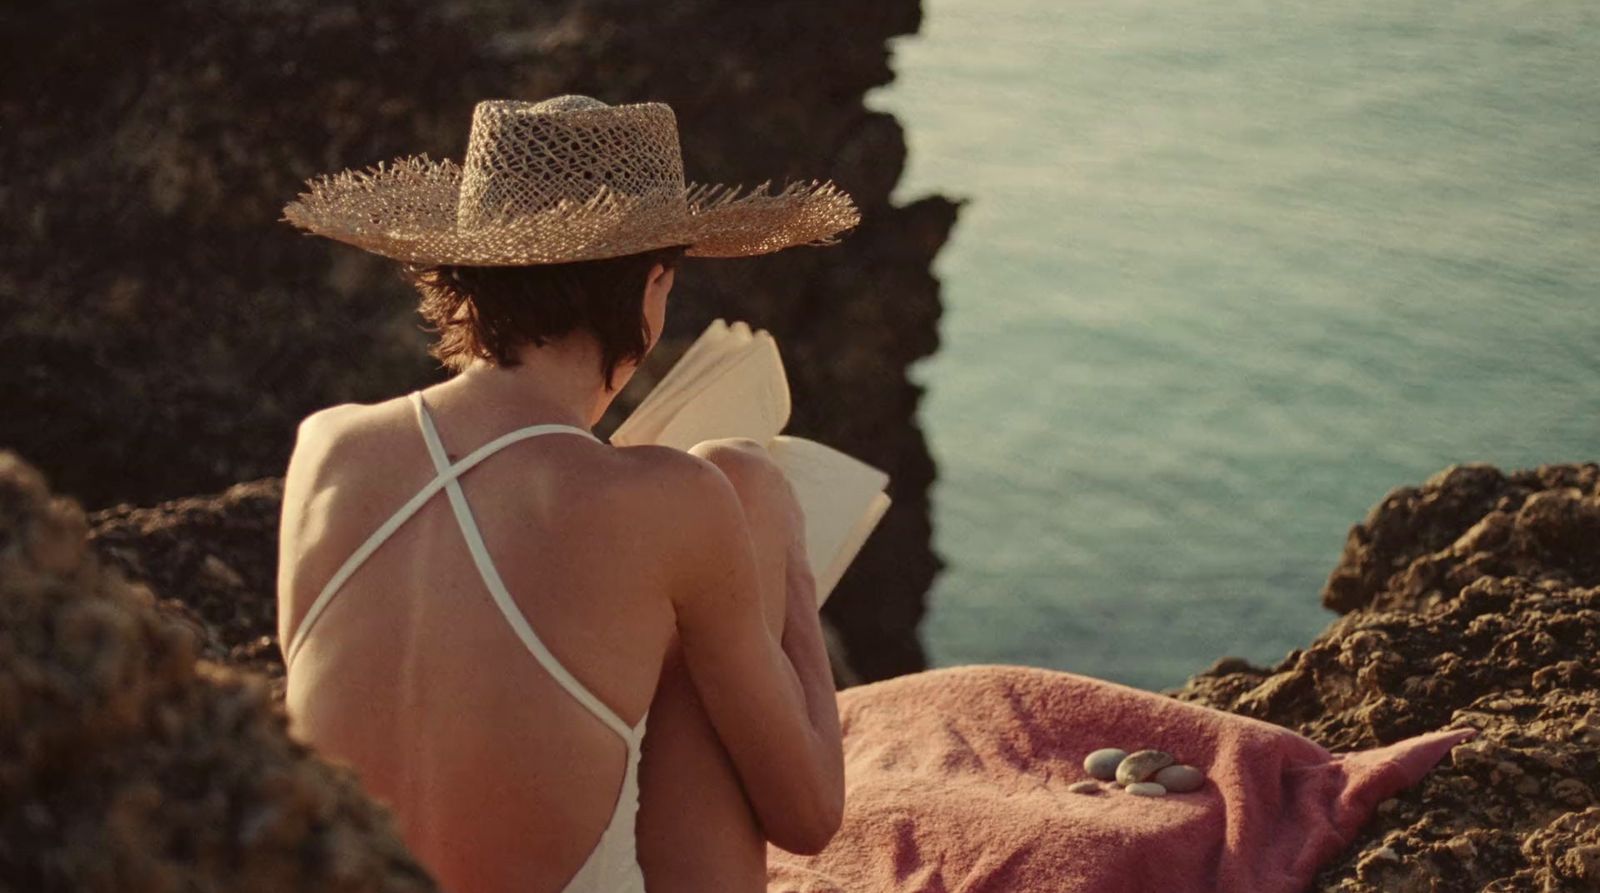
(406, 210)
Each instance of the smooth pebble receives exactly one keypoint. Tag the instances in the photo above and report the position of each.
(1142, 764)
(1146, 789)
(1102, 764)
(1180, 779)
(1084, 787)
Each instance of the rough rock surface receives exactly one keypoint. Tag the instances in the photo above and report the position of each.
(128, 765)
(163, 333)
(1473, 600)
(1423, 545)
(214, 561)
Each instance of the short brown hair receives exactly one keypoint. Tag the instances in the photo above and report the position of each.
(488, 312)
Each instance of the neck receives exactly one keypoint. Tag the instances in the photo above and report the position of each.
(558, 383)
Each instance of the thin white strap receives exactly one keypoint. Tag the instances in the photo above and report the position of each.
(400, 517)
(497, 587)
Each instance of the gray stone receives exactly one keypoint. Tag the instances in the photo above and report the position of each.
(1146, 789)
(1142, 764)
(1084, 787)
(1180, 779)
(1102, 764)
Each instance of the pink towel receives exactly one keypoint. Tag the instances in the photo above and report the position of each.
(957, 783)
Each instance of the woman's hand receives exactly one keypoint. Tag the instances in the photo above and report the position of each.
(800, 602)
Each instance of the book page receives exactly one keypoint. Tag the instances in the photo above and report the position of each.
(747, 397)
(839, 495)
(714, 345)
(850, 546)
(732, 385)
(718, 344)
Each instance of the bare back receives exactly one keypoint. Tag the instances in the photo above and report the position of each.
(401, 671)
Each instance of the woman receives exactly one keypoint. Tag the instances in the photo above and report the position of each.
(479, 618)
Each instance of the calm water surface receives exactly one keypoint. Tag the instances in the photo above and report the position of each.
(1230, 272)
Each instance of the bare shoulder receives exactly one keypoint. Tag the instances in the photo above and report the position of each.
(673, 481)
(345, 430)
(317, 470)
(345, 424)
(335, 448)
(688, 505)
(325, 423)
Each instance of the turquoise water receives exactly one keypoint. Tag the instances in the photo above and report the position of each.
(1230, 272)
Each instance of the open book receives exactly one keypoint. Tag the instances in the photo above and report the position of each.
(730, 383)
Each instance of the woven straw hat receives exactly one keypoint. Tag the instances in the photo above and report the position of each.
(566, 179)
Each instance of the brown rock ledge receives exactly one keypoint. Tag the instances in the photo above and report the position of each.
(128, 765)
(1472, 600)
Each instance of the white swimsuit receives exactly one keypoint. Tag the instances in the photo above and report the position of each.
(613, 865)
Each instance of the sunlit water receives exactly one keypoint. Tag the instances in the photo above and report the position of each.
(1230, 272)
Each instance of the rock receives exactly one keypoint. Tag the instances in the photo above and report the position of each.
(1384, 854)
(1562, 855)
(1585, 862)
(1473, 600)
(1422, 546)
(1141, 764)
(1146, 789)
(215, 558)
(1083, 787)
(180, 362)
(1461, 847)
(1180, 779)
(1102, 764)
(138, 764)
(1571, 792)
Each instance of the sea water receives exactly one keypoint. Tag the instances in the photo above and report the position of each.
(1232, 270)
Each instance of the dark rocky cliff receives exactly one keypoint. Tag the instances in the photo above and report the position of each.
(163, 333)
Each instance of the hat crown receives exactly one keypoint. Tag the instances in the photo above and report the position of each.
(527, 157)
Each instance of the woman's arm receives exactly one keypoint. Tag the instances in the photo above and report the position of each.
(772, 703)
(807, 651)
